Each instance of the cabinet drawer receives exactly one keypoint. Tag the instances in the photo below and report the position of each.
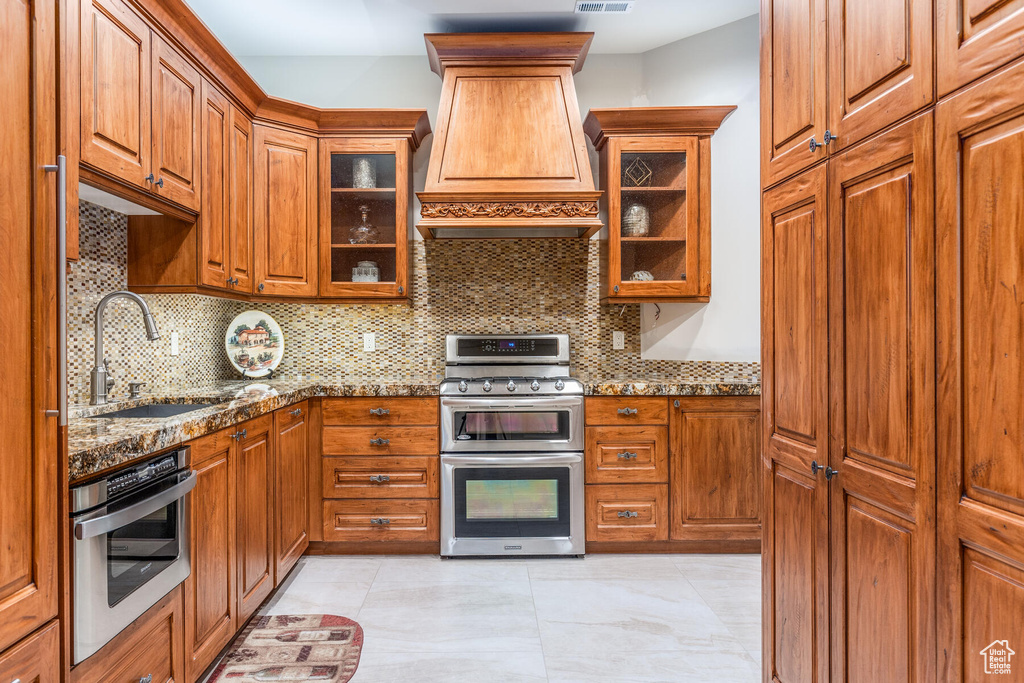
(151, 646)
(626, 410)
(408, 476)
(380, 440)
(380, 411)
(35, 659)
(627, 455)
(633, 512)
(381, 520)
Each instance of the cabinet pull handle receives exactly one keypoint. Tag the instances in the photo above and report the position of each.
(148, 678)
(830, 473)
(150, 178)
(829, 138)
(815, 467)
(297, 412)
(814, 145)
(627, 455)
(628, 411)
(380, 521)
(628, 513)
(238, 436)
(380, 411)
(61, 169)
(379, 442)
(380, 477)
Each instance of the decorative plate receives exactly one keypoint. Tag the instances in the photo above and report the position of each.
(254, 344)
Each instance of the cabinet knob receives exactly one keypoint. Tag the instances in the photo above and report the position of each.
(401, 289)
(814, 144)
(238, 436)
(380, 411)
(150, 178)
(297, 412)
(626, 455)
(829, 138)
(379, 442)
(380, 477)
(676, 403)
(628, 513)
(260, 288)
(148, 678)
(628, 411)
(815, 467)
(830, 473)
(159, 183)
(615, 289)
(380, 521)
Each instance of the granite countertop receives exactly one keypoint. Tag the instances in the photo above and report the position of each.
(97, 443)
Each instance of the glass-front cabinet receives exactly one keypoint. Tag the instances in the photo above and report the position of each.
(364, 206)
(656, 176)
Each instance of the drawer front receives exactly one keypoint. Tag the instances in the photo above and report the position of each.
(408, 476)
(635, 512)
(35, 659)
(380, 440)
(380, 411)
(626, 410)
(627, 455)
(381, 520)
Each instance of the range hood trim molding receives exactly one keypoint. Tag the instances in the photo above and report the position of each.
(507, 49)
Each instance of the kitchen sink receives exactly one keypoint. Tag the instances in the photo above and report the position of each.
(156, 410)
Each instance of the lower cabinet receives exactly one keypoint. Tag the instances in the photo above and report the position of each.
(254, 511)
(151, 649)
(379, 472)
(674, 474)
(291, 429)
(36, 659)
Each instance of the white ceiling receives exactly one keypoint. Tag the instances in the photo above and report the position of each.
(396, 27)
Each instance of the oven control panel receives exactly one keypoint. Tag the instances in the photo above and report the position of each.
(534, 348)
(141, 474)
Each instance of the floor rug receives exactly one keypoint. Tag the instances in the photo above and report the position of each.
(284, 647)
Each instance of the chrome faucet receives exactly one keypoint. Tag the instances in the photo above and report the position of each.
(101, 381)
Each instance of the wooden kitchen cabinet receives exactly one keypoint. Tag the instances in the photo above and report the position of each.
(979, 137)
(150, 648)
(210, 607)
(974, 38)
(29, 474)
(626, 455)
(627, 512)
(715, 465)
(284, 213)
(291, 426)
(255, 514)
(656, 176)
(364, 213)
(34, 660)
(140, 105)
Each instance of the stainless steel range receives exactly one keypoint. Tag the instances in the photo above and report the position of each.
(511, 447)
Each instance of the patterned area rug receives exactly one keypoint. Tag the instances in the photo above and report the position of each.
(307, 647)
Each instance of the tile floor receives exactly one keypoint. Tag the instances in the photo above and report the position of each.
(620, 618)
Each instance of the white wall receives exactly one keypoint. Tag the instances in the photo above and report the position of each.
(716, 67)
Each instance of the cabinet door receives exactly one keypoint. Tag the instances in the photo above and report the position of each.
(285, 214)
(882, 374)
(115, 50)
(880, 64)
(210, 588)
(254, 511)
(29, 479)
(794, 413)
(176, 128)
(794, 64)
(214, 220)
(975, 37)
(364, 209)
(36, 660)
(291, 426)
(716, 453)
(239, 217)
(980, 330)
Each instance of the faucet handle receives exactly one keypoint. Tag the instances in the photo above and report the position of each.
(110, 377)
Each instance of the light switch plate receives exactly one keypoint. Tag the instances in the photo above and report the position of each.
(369, 341)
(618, 340)
(174, 344)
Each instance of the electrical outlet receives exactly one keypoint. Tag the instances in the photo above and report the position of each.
(174, 344)
(618, 340)
(369, 341)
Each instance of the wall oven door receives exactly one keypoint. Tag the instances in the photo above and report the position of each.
(474, 425)
(519, 504)
(129, 552)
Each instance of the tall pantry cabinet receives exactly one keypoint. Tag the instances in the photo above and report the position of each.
(892, 337)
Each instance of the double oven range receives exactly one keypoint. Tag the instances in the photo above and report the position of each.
(511, 447)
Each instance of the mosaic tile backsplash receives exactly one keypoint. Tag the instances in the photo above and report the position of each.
(458, 286)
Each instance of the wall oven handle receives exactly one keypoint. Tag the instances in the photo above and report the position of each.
(115, 520)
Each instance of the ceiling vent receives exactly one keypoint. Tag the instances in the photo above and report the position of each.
(610, 7)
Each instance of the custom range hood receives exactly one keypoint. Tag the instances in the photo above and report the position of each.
(509, 158)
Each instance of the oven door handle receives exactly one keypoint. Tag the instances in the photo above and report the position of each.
(539, 460)
(115, 520)
(534, 402)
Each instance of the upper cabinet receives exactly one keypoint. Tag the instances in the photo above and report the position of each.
(285, 215)
(974, 37)
(837, 71)
(141, 104)
(656, 175)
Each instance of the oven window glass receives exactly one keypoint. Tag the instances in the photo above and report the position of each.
(484, 425)
(511, 502)
(140, 550)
